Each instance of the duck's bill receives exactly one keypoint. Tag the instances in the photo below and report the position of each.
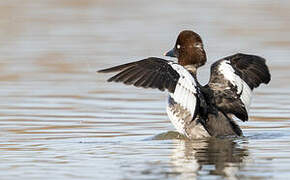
(171, 53)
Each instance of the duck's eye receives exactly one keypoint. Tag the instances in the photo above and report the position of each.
(178, 46)
(198, 45)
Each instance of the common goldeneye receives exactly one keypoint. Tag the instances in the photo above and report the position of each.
(199, 111)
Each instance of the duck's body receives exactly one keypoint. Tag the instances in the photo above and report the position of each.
(199, 111)
(193, 114)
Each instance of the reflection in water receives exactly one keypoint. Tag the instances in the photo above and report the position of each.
(218, 157)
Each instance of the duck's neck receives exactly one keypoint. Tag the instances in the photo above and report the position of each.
(192, 69)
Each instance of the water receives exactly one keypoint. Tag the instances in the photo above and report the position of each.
(61, 120)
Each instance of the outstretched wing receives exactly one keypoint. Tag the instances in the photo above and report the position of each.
(147, 73)
(232, 81)
(162, 74)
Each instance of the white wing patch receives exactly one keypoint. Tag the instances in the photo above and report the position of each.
(184, 95)
(242, 87)
(185, 89)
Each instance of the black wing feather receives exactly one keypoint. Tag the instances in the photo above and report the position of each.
(252, 69)
(151, 72)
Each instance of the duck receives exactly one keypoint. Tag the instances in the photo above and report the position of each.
(199, 111)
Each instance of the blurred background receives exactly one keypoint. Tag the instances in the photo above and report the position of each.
(59, 119)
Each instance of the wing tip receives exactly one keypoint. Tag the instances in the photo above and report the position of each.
(116, 68)
(102, 71)
(257, 62)
(268, 77)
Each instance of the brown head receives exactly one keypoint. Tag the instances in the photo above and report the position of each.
(188, 49)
